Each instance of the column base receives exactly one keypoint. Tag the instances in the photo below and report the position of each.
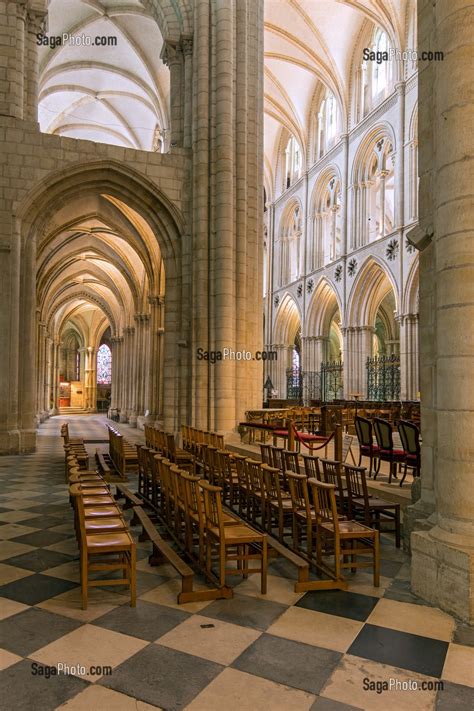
(123, 418)
(442, 572)
(416, 516)
(132, 419)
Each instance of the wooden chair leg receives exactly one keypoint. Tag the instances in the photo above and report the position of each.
(133, 576)
(222, 557)
(377, 559)
(263, 588)
(84, 577)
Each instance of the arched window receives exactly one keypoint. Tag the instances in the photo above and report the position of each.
(293, 162)
(380, 75)
(327, 225)
(290, 246)
(381, 187)
(375, 73)
(327, 124)
(104, 365)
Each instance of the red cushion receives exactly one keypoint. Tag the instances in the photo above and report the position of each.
(308, 437)
(412, 456)
(280, 433)
(393, 452)
(366, 448)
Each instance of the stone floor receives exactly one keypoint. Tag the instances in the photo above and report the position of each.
(321, 650)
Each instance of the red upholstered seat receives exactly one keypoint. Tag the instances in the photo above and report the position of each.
(308, 437)
(393, 452)
(280, 433)
(367, 448)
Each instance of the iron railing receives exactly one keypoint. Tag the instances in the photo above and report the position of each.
(332, 380)
(383, 377)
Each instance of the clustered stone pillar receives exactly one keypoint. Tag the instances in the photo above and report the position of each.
(227, 208)
(443, 544)
(357, 348)
(409, 356)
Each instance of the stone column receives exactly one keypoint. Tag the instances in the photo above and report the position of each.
(56, 347)
(345, 195)
(12, 47)
(409, 356)
(90, 380)
(443, 553)
(187, 49)
(172, 56)
(33, 25)
(400, 172)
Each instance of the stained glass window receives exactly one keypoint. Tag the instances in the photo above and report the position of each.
(104, 365)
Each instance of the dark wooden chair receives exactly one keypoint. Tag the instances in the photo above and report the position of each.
(278, 504)
(304, 517)
(311, 466)
(370, 509)
(410, 437)
(365, 435)
(387, 452)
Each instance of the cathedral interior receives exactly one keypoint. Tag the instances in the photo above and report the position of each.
(237, 269)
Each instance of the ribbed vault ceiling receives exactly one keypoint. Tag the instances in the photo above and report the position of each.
(110, 94)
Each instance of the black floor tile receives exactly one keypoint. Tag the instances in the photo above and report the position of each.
(455, 697)
(323, 704)
(41, 539)
(400, 590)
(338, 602)
(39, 560)
(268, 657)
(145, 621)
(35, 588)
(42, 522)
(464, 634)
(400, 649)
(162, 677)
(22, 690)
(390, 568)
(32, 629)
(245, 611)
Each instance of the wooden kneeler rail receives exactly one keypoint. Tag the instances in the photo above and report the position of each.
(304, 583)
(162, 552)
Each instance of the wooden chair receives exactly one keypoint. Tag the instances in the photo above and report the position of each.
(311, 466)
(387, 452)
(370, 509)
(279, 507)
(367, 448)
(266, 454)
(304, 517)
(242, 486)
(333, 536)
(291, 462)
(256, 491)
(410, 437)
(332, 474)
(106, 551)
(237, 543)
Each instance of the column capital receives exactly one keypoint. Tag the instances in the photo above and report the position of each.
(171, 53)
(187, 45)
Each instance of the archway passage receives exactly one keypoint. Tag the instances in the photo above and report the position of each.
(99, 254)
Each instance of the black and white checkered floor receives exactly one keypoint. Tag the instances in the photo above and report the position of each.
(319, 650)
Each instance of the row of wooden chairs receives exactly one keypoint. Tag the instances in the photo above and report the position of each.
(75, 445)
(269, 497)
(165, 443)
(104, 540)
(194, 439)
(191, 508)
(384, 450)
(122, 453)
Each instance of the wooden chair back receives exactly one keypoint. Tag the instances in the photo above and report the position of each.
(410, 437)
(363, 428)
(311, 466)
(332, 474)
(214, 518)
(298, 485)
(324, 502)
(383, 433)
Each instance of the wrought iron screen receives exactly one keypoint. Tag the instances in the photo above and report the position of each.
(294, 384)
(383, 377)
(311, 386)
(332, 380)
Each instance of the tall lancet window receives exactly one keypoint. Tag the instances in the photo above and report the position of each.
(104, 365)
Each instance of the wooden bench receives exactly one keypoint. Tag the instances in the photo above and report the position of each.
(122, 453)
(102, 464)
(162, 552)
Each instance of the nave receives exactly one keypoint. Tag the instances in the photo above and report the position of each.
(195, 655)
